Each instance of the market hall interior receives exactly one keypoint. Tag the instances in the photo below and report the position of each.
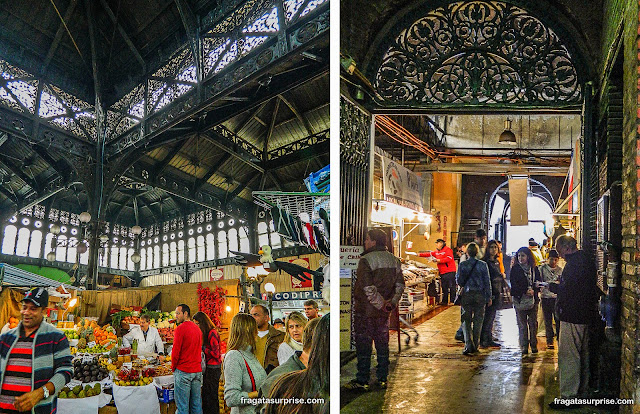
(143, 144)
(519, 118)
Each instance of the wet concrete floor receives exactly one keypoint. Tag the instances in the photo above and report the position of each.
(433, 376)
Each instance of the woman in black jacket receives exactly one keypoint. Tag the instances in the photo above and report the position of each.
(491, 259)
(525, 277)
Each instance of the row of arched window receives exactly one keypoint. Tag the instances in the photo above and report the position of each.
(28, 243)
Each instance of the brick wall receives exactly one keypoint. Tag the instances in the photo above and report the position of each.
(630, 209)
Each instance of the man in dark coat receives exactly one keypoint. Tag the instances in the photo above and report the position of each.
(377, 291)
(577, 305)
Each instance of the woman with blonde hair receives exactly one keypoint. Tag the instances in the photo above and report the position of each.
(243, 373)
(294, 325)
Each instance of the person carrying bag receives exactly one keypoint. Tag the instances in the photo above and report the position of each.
(524, 275)
(473, 279)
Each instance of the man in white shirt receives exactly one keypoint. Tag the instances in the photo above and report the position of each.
(149, 341)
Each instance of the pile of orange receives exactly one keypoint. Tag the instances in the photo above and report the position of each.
(103, 337)
(13, 322)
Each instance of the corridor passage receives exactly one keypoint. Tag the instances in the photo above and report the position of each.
(434, 377)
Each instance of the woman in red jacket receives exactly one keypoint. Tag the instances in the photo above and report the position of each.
(211, 349)
(443, 256)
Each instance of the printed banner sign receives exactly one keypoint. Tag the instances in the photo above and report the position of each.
(295, 283)
(350, 256)
(518, 197)
(297, 295)
(401, 186)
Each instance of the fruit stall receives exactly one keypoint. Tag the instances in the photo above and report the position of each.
(15, 282)
(111, 376)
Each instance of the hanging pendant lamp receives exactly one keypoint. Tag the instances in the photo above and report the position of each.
(507, 137)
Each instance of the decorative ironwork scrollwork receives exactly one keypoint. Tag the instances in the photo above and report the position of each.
(355, 132)
(478, 52)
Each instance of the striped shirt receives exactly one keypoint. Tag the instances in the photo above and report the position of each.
(17, 377)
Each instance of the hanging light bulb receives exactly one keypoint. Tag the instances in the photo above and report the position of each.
(51, 256)
(507, 137)
(136, 230)
(135, 257)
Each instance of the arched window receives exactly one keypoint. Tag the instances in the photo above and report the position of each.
(84, 257)
(275, 237)
(114, 257)
(130, 265)
(200, 248)
(72, 250)
(35, 247)
(165, 255)
(173, 253)
(191, 245)
(149, 257)
(23, 242)
(47, 245)
(61, 251)
(244, 240)
(143, 259)
(233, 240)
(104, 256)
(156, 256)
(123, 258)
(263, 236)
(9, 243)
(180, 251)
(222, 244)
(211, 247)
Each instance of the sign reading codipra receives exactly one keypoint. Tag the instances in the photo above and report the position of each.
(300, 295)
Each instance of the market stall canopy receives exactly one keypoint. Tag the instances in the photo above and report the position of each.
(12, 276)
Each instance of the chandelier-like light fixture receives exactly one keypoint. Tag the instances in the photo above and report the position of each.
(81, 245)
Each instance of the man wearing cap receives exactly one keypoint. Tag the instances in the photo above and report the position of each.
(443, 256)
(35, 362)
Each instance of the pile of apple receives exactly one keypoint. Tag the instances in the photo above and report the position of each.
(166, 334)
(132, 377)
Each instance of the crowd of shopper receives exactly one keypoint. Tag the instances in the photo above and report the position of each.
(567, 296)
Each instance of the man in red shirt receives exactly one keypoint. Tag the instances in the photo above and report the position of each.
(443, 256)
(186, 363)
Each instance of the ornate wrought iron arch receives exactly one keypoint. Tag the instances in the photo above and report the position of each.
(475, 54)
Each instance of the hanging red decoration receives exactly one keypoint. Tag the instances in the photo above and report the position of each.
(212, 303)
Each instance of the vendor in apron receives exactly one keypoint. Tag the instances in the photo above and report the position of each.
(149, 341)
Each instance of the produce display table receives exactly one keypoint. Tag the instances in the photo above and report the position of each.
(136, 400)
(89, 405)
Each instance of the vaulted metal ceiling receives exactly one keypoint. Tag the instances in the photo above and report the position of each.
(251, 120)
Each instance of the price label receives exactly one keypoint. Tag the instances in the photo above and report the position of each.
(91, 344)
(127, 365)
(87, 358)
